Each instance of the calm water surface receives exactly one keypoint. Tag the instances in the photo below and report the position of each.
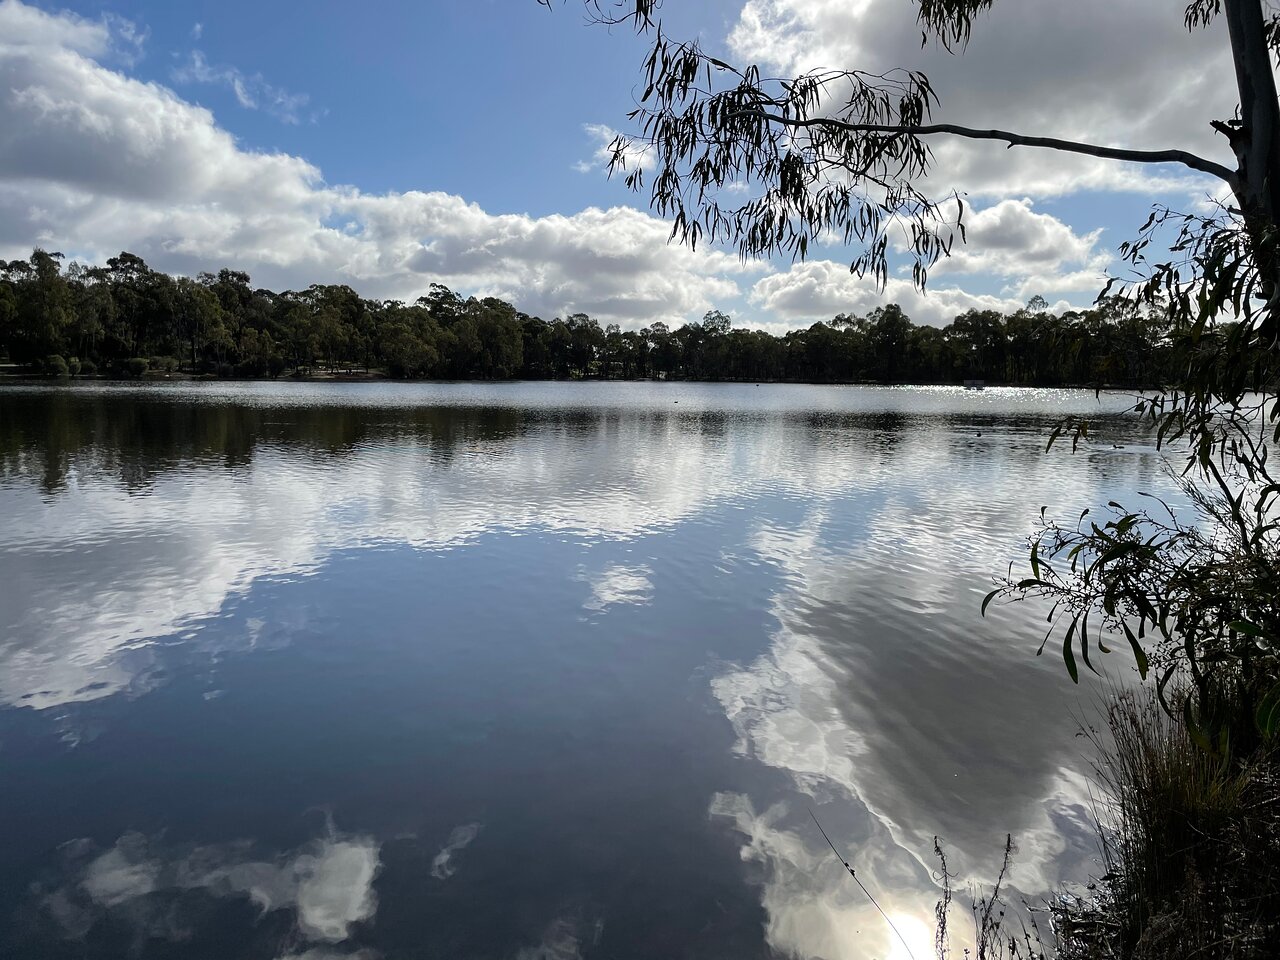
(527, 671)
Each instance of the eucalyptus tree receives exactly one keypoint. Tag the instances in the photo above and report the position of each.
(197, 317)
(44, 308)
(847, 152)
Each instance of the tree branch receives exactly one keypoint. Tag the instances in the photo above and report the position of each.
(1014, 140)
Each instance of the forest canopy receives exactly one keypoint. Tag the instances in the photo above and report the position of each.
(126, 319)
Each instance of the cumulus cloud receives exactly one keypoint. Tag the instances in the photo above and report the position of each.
(121, 874)
(1010, 239)
(110, 36)
(602, 136)
(819, 289)
(155, 566)
(251, 91)
(1036, 67)
(812, 908)
(329, 884)
(93, 161)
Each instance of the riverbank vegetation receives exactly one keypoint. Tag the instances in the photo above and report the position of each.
(1187, 850)
(1189, 766)
(126, 320)
(1189, 840)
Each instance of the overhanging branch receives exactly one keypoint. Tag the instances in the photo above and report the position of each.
(1014, 140)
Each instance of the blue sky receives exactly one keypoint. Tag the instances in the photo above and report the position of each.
(390, 144)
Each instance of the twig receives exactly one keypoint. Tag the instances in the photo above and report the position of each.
(853, 874)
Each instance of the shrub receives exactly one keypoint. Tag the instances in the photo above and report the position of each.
(73, 366)
(88, 368)
(56, 366)
(275, 365)
(253, 367)
(136, 366)
(163, 364)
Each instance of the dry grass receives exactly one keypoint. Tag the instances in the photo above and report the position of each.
(1191, 843)
(1191, 846)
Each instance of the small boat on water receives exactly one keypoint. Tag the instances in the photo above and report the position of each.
(975, 384)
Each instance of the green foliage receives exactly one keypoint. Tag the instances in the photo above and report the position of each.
(56, 366)
(1196, 596)
(1194, 601)
(8, 313)
(951, 21)
(137, 366)
(708, 124)
(218, 324)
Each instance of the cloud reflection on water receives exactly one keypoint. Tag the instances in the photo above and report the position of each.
(869, 700)
(619, 584)
(874, 700)
(442, 867)
(327, 885)
(99, 567)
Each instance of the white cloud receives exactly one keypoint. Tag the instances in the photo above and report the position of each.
(251, 91)
(156, 566)
(130, 40)
(819, 289)
(111, 36)
(1009, 239)
(634, 155)
(812, 907)
(197, 31)
(93, 162)
(1035, 67)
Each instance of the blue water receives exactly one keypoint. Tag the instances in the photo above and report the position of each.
(529, 670)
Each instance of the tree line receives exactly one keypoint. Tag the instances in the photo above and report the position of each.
(126, 319)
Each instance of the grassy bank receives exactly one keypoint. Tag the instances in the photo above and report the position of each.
(1191, 846)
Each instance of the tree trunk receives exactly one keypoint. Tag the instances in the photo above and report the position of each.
(1257, 141)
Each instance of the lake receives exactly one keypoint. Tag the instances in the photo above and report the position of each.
(534, 671)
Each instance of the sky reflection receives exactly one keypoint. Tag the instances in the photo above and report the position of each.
(561, 669)
(326, 886)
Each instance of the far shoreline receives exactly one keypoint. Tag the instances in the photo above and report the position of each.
(29, 380)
